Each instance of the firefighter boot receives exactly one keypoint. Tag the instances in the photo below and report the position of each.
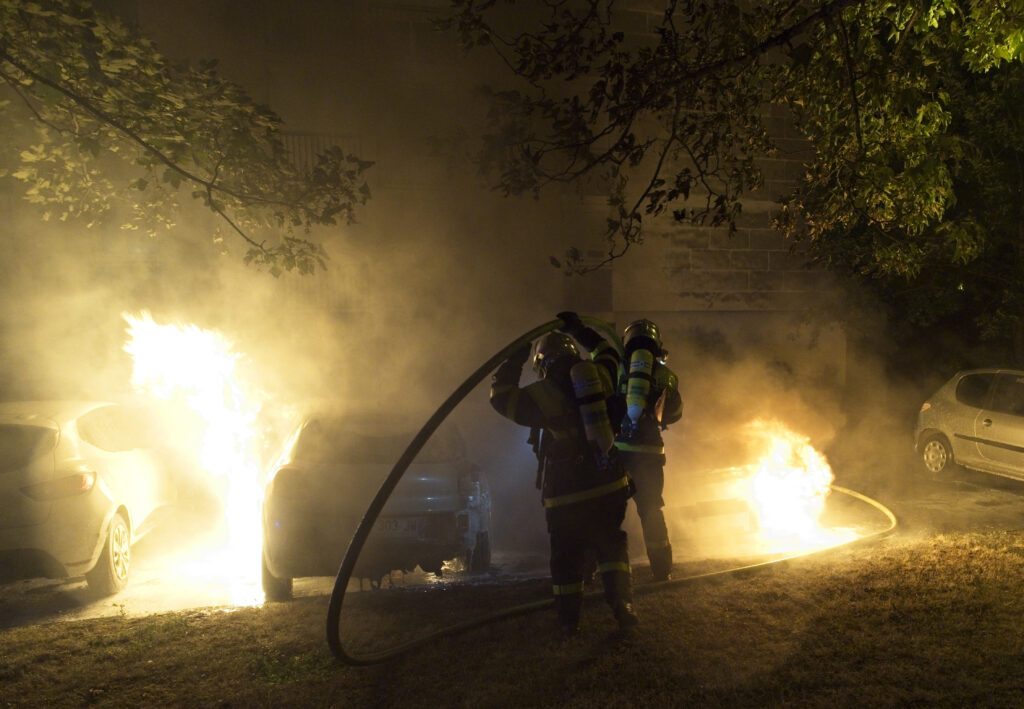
(568, 607)
(625, 616)
(661, 561)
(618, 592)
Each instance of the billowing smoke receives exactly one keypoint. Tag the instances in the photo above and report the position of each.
(437, 276)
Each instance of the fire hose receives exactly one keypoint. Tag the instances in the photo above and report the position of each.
(362, 532)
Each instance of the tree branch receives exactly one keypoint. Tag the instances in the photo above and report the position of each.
(139, 140)
(26, 99)
(777, 40)
(669, 142)
(852, 78)
(220, 212)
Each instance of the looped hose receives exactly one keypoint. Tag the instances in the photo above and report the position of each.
(388, 486)
(355, 547)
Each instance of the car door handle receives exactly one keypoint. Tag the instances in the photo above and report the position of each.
(986, 422)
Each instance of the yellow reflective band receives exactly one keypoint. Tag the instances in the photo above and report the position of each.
(639, 448)
(567, 589)
(613, 566)
(657, 545)
(593, 492)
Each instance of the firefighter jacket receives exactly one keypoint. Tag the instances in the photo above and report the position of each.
(664, 406)
(569, 472)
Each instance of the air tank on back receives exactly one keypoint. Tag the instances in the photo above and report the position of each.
(590, 397)
(638, 383)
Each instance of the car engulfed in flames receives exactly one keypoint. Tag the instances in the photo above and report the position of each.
(297, 515)
(772, 501)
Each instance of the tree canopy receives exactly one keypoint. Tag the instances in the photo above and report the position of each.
(911, 109)
(99, 125)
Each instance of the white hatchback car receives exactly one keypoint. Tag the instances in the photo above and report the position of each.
(976, 420)
(78, 486)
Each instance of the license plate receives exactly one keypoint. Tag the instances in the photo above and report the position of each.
(401, 527)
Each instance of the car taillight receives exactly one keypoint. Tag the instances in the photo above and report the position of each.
(62, 487)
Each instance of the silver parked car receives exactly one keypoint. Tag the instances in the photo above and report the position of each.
(78, 486)
(976, 420)
(440, 510)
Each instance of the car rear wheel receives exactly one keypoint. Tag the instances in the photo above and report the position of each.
(480, 559)
(274, 588)
(937, 456)
(110, 575)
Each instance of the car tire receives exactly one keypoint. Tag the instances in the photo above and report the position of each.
(274, 588)
(480, 558)
(937, 456)
(110, 575)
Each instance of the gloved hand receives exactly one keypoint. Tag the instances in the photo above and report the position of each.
(572, 321)
(509, 371)
(519, 357)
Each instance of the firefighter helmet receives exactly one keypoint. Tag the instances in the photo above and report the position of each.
(550, 349)
(642, 334)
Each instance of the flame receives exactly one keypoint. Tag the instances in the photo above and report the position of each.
(187, 365)
(787, 489)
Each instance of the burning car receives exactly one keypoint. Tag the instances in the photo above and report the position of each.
(78, 486)
(334, 465)
(976, 420)
(773, 499)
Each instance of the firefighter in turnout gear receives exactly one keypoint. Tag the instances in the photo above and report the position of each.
(653, 402)
(583, 485)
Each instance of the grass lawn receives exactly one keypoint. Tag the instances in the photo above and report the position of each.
(931, 620)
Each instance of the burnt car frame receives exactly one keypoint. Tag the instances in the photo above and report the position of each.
(439, 512)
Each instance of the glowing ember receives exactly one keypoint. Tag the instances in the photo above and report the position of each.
(789, 484)
(188, 365)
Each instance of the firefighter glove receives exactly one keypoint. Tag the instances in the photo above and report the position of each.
(519, 357)
(572, 321)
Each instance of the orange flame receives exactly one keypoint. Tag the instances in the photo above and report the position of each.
(788, 488)
(186, 364)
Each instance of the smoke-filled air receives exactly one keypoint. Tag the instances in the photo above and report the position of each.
(437, 274)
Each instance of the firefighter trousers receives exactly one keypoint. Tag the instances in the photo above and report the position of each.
(596, 525)
(648, 473)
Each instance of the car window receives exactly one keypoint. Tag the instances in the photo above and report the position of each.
(1008, 396)
(21, 444)
(973, 389)
(323, 441)
(96, 427)
(113, 428)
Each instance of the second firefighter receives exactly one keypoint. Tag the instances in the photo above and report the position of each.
(652, 403)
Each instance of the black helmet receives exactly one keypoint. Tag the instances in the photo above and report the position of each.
(550, 349)
(641, 333)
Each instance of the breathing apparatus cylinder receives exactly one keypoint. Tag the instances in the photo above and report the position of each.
(638, 383)
(590, 398)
